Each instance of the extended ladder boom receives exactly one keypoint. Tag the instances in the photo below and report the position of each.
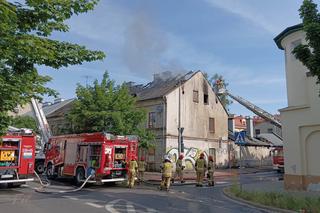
(255, 109)
(42, 122)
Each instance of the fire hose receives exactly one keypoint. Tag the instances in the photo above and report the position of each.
(45, 185)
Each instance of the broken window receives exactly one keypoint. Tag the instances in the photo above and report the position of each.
(206, 99)
(195, 96)
(152, 120)
(211, 125)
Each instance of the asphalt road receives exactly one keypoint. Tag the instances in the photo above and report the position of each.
(114, 199)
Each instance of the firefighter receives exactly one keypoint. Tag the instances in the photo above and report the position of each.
(200, 167)
(132, 172)
(211, 168)
(166, 174)
(179, 169)
(141, 169)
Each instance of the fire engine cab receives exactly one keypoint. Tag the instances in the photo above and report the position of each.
(102, 155)
(17, 153)
(278, 159)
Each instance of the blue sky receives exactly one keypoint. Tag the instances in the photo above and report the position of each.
(140, 37)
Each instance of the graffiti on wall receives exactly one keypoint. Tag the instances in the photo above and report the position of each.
(190, 156)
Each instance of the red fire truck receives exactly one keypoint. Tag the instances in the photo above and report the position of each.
(278, 159)
(17, 153)
(101, 155)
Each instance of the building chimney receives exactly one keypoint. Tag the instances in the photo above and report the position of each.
(249, 129)
(231, 123)
(45, 104)
(58, 100)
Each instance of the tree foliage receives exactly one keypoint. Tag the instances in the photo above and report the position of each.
(110, 108)
(24, 122)
(309, 54)
(214, 80)
(25, 42)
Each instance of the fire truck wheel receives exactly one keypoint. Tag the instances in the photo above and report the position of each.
(39, 167)
(80, 176)
(50, 172)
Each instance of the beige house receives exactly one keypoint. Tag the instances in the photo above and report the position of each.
(301, 119)
(55, 113)
(204, 119)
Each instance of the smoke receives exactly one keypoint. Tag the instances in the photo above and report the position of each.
(145, 47)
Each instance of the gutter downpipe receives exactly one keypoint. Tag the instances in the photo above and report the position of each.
(164, 123)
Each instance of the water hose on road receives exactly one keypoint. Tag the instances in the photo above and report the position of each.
(40, 180)
(45, 185)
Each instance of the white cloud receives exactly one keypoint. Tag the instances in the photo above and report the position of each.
(268, 15)
(260, 81)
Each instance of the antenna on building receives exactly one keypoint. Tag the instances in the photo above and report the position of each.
(87, 78)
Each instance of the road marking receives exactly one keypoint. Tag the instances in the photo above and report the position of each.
(113, 207)
(110, 206)
(93, 205)
(130, 208)
(71, 198)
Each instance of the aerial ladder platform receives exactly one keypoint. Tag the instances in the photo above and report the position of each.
(250, 106)
(45, 131)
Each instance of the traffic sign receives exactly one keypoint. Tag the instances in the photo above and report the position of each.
(240, 138)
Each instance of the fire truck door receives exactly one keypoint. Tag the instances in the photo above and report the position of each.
(59, 150)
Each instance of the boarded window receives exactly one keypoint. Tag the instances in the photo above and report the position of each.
(211, 125)
(152, 120)
(195, 96)
(206, 99)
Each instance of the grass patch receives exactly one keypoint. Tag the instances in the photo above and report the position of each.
(279, 200)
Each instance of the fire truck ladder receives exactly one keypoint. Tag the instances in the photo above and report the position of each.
(255, 109)
(42, 123)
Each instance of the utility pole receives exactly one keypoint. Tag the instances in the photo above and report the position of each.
(180, 129)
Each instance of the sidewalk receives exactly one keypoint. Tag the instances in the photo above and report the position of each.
(219, 173)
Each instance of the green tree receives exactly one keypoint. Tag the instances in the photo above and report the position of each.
(24, 122)
(309, 54)
(107, 107)
(216, 82)
(25, 42)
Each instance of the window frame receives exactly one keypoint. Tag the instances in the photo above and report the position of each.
(195, 95)
(151, 119)
(205, 99)
(212, 125)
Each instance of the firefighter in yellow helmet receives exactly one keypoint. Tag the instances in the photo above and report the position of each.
(200, 167)
(179, 169)
(211, 169)
(166, 174)
(132, 172)
(141, 169)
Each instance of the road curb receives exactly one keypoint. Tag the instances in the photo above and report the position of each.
(257, 205)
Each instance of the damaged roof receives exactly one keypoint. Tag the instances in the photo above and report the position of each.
(161, 85)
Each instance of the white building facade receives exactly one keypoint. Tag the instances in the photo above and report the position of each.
(301, 119)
